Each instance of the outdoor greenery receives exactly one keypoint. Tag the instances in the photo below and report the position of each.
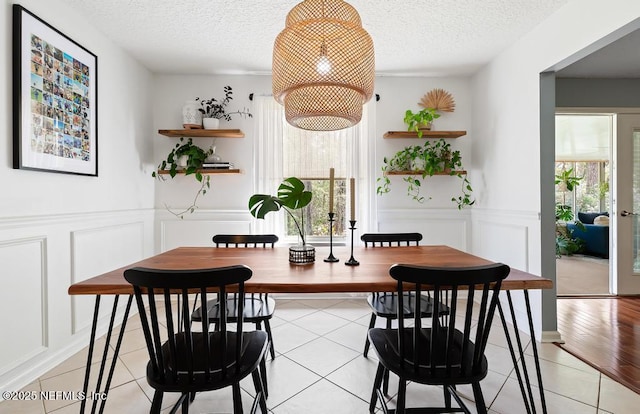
(593, 192)
(426, 160)
(195, 157)
(317, 224)
(214, 108)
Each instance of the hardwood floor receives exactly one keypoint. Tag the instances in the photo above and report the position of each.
(605, 333)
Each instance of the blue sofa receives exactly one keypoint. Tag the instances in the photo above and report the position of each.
(595, 237)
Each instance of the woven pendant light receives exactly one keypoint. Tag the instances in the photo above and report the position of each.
(323, 66)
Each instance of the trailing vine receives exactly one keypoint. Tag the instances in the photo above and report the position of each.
(426, 160)
(196, 156)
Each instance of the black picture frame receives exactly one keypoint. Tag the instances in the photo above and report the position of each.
(55, 99)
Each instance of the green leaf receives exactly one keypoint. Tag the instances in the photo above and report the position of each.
(261, 204)
(293, 195)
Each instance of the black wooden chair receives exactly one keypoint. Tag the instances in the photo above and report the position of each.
(258, 307)
(188, 362)
(384, 304)
(449, 352)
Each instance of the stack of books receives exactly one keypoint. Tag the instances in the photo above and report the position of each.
(219, 165)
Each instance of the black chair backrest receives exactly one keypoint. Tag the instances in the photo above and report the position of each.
(245, 240)
(390, 239)
(174, 363)
(448, 351)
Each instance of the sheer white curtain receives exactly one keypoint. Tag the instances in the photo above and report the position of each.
(284, 151)
(267, 157)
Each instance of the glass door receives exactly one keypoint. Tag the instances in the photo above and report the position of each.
(627, 205)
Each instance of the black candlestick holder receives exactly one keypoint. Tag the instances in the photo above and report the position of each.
(352, 261)
(331, 257)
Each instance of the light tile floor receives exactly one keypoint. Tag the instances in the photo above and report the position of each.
(319, 368)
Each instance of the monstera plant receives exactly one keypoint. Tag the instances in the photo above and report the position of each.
(291, 196)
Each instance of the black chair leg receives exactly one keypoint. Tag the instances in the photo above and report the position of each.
(402, 396)
(385, 382)
(376, 385)
(186, 400)
(260, 392)
(263, 375)
(372, 323)
(267, 328)
(156, 404)
(237, 399)
(447, 396)
(481, 407)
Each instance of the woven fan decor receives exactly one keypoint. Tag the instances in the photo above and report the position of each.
(323, 66)
(438, 99)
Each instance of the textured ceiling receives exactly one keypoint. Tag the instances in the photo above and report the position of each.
(420, 37)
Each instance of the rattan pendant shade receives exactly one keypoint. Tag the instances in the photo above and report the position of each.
(323, 66)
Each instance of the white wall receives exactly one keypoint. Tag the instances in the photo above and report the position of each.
(224, 207)
(57, 229)
(506, 145)
(438, 219)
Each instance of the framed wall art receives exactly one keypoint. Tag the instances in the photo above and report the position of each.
(55, 123)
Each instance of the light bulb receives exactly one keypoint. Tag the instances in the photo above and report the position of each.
(323, 66)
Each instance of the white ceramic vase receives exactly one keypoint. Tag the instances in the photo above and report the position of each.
(214, 157)
(191, 116)
(211, 123)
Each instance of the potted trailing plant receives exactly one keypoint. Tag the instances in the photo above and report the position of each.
(291, 196)
(565, 243)
(187, 158)
(420, 120)
(213, 109)
(421, 161)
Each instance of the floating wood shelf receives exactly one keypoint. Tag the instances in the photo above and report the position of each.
(208, 171)
(202, 133)
(418, 172)
(425, 134)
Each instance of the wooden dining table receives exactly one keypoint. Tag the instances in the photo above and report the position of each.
(273, 273)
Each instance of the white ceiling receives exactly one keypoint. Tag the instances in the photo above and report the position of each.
(411, 37)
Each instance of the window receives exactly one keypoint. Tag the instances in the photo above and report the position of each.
(583, 145)
(592, 194)
(284, 151)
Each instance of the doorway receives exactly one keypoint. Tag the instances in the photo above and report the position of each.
(583, 200)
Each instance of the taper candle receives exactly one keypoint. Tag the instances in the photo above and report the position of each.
(353, 198)
(331, 178)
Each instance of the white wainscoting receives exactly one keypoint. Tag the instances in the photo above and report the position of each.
(23, 271)
(438, 226)
(93, 252)
(513, 238)
(198, 228)
(41, 257)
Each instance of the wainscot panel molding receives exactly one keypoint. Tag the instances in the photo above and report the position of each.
(98, 250)
(198, 228)
(42, 256)
(510, 237)
(23, 271)
(451, 227)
